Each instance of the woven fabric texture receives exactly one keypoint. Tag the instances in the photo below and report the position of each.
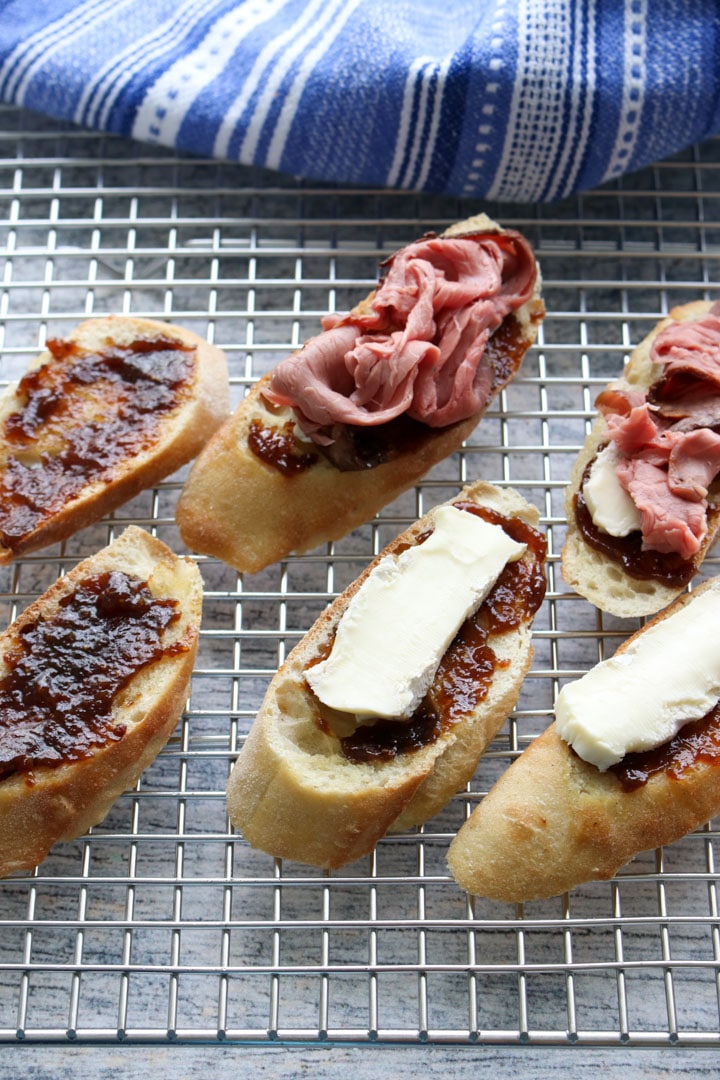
(522, 100)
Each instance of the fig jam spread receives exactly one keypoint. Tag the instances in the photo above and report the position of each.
(505, 350)
(669, 568)
(83, 413)
(356, 448)
(466, 670)
(698, 741)
(279, 447)
(64, 673)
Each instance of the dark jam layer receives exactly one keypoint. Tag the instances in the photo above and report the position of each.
(354, 449)
(696, 742)
(669, 568)
(279, 447)
(83, 413)
(466, 670)
(65, 672)
(505, 350)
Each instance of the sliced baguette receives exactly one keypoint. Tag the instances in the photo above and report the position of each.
(61, 801)
(249, 514)
(201, 405)
(553, 821)
(294, 794)
(595, 576)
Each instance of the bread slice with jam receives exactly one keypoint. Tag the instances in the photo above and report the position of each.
(93, 678)
(98, 417)
(262, 488)
(306, 786)
(622, 575)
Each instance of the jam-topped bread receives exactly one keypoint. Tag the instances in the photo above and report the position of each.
(99, 416)
(642, 504)
(366, 408)
(647, 724)
(93, 678)
(380, 714)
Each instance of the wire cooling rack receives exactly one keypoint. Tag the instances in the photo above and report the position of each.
(162, 924)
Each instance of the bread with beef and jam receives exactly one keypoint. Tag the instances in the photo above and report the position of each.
(366, 408)
(643, 503)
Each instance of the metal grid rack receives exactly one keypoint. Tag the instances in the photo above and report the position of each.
(162, 924)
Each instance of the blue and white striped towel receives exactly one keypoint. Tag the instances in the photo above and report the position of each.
(507, 99)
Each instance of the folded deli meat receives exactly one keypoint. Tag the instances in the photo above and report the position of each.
(418, 347)
(668, 451)
(365, 409)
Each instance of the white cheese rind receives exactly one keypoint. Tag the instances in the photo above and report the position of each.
(640, 698)
(610, 506)
(396, 628)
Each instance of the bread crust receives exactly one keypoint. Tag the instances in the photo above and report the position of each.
(599, 579)
(61, 803)
(247, 513)
(184, 430)
(293, 794)
(553, 821)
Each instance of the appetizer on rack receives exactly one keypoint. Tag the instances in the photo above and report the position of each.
(382, 711)
(362, 411)
(642, 504)
(632, 762)
(93, 678)
(99, 416)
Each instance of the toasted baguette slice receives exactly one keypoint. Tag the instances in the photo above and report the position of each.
(292, 791)
(600, 579)
(249, 514)
(553, 821)
(42, 802)
(101, 428)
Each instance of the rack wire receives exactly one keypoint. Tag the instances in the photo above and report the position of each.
(163, 924)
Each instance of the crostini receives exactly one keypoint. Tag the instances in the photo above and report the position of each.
(98, 417)
(632, 762)
(366, 408)
(642, 502)
(93, 678)
(380, 714)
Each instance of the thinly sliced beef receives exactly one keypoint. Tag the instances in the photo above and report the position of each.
(694, 463)
(419, 348)
(690, 355)
(669, 452)
(612, 401)
(686, 415)
(637, 433)
(669, 522)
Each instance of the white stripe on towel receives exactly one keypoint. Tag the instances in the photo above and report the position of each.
(26, 58)
(292, 99)
(254, 78)
(166, 103)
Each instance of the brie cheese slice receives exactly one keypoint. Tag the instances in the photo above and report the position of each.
(640, 698)
(394, 632)
(610, 506)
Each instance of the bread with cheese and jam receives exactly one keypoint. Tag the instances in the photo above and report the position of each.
(631, 763)
(380, 714)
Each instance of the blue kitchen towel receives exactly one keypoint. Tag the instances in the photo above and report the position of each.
(521, 100)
